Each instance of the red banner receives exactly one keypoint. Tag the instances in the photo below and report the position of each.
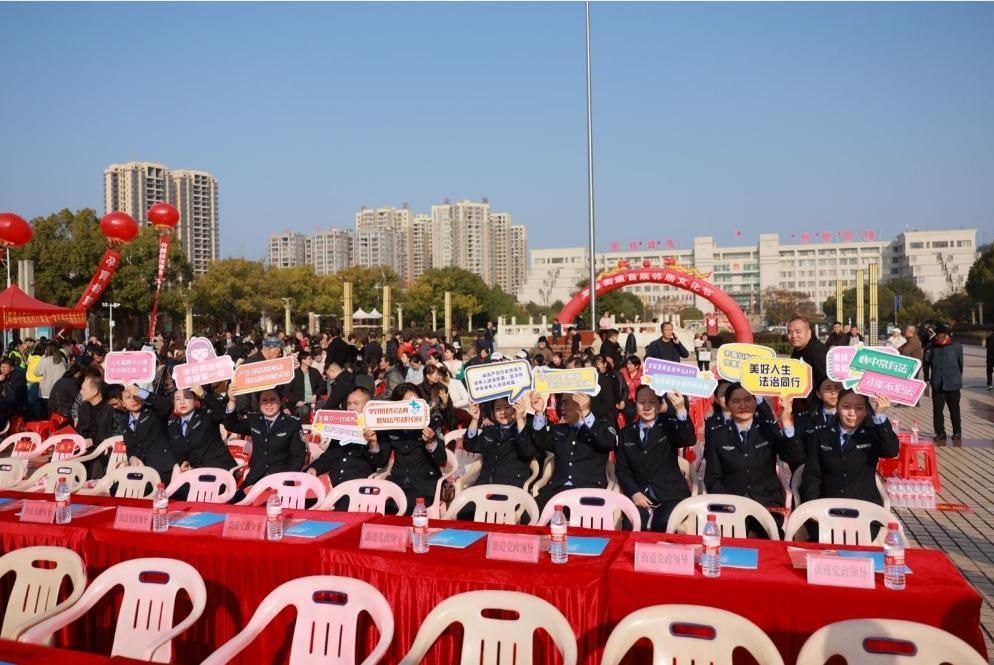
(98, 284)
(163, 259)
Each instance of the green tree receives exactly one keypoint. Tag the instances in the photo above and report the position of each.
(468, 293)
(916, 314)
(906, 288)
(956, 307)
(779, 305)
(980, 281)
(691, 314)
(231, 292)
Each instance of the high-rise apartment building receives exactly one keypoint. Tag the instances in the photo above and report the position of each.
(332, 250)
(518, 258)
(377, 247)
(500, 249)
(461, 237)
(194, 194)
(418, 241)
(288, 249)
(135, 187)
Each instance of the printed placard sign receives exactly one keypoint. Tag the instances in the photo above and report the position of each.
(245, 527)
(780, 377)
(838, 359)
(133, 519)
(870, 360)
(338, 425)
(897, 390)
(730, 358)
(663, 558)
(127, 367)
(39, 512)
(578, 380)
(412, 414)
(829, 570)
(490, 381)
(263, 375)
(666, 376)
(514, 547)
(202, 366)
(383, 537)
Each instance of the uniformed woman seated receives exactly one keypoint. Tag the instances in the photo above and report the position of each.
(418, 455)
(346, 460)
(505, 447)
(277, 439)
(741, 456)
(823, 407)
(195, 430)
(841, 456)
(580, 443)
(647, 466)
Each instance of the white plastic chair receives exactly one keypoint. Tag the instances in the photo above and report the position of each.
(612, 477)
(56, 441)
(730, 511)
(593, 509)
(495, 504)
(481, 634)
(35, 594)
(879, 641)
(327, 610)
(690, 474)
(450, 466)
(45, 477)
(132, 482)
(106, 447)
(548, 467)
(144, 623)
(795, 488)
(841, 521)
(293, 488)
(207, 485)
(11, 472)
(690, 634)
(367, 495)
(22, 450)
(473, 473)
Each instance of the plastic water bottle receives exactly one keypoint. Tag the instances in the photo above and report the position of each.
(160, 509)
(711, 558)
(63, 511)
(914, 431)
(419, 537)
(558, 548)
(274, 518)
(894, 558)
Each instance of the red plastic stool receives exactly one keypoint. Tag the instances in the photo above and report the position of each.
(42, 428)
(910, 467)
(16, 424)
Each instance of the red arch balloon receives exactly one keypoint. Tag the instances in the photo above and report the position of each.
(681, 280)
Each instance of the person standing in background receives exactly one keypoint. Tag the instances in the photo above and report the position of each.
(946, 382)
(912, 347)
(989, 343)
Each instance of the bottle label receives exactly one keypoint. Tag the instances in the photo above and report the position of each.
(420, 525)
(559, 536)
(712, 550)
(893, 560)
(62, 503)
(159, 510)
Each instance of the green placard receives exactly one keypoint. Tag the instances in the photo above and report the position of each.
(868, 360)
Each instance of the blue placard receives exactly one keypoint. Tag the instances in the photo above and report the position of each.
(457, 538)
(586, 546)
(877, 557)
(740, 557)
(311, 529)
(198, 520)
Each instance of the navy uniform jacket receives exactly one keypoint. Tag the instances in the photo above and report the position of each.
(275, 448)
(506, 454)
(202, 446)
(750, 471)
(833, 472)
(345, 461)
(580, 455)
(149, 441)
(415, 469)
(651, 466)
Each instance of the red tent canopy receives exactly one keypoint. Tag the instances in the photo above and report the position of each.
(19, 310)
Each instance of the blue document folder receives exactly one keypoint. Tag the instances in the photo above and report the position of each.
(458, 538)
(311, 529)
(198, 520)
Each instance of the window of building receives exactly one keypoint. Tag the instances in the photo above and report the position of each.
(940, 243)
(917, 245)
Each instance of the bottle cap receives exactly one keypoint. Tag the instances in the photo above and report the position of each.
(893, 526)
(712, 518)
(62, 479)
(558, 508)
(420, 501)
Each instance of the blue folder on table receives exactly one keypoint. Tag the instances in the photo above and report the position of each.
(458, 538)
(878, 559)
(2, 502)
(586, 545)
(198, 520)
(740, 557)
(311, 529)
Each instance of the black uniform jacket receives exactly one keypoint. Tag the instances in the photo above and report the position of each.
(750, 470)
(506, 454)
(581, 455)
(415, 469)
(202, 446)
(149, 441)
(275, 449)
(651, 466)
(850, 473)
(345, 461)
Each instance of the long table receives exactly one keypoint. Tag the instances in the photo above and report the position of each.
(593, 593)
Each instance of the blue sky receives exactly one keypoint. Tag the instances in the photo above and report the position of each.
(708, 117)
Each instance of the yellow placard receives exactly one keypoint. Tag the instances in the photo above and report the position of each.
(779, 377)
(731, 356)
(578, 380)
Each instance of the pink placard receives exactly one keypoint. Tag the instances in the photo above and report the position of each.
(127, 367)
(664, 558)
(203, 366)
(382, 537)
(514, 547)
(829, 570)
(899, 391)
(246, 527)
(133, 519)
(262, 375)
(839, 357)
(41, 512)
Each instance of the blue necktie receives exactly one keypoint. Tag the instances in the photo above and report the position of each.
(845, 440)
(183, 423)
(744, 435)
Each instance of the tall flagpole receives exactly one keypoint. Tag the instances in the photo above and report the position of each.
(590, 180)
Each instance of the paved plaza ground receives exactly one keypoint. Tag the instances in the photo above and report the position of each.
(967, 474)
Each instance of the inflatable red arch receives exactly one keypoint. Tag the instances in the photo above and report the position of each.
(672, 275)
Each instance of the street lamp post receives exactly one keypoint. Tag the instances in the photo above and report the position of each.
(400, 317)
(434, 318)
(286, 315)
(110, 316)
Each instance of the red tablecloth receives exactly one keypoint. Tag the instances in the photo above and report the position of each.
(15, 534)
(778, 599)
(34, 654)
(414, 584)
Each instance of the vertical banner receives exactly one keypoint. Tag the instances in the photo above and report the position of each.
(838, 301)
(163, 259)
(98, 283)
(347, 304)
(860, 290)
(874, 306)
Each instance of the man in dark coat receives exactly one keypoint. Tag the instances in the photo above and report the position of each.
(668, 347)
(946, 381)
(808, 348)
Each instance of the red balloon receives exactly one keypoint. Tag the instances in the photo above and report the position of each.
(163, 215)
(119, 226)
(14, 231)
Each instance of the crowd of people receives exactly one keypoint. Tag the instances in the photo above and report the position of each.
(838, 434)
